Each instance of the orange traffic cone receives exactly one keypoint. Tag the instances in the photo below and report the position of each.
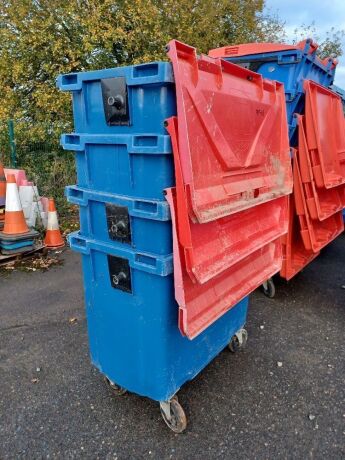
(53, 237)
(14, 217)
(2, 192)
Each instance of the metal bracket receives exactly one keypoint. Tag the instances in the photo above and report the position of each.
(120, 273)
(115, 101)
(118, 223)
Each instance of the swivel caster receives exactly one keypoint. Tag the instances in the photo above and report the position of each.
(116, 389)
(238, 341)
(269, 288)
(173, 415)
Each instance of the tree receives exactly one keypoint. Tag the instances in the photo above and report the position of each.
(329, 46)
(42, 38)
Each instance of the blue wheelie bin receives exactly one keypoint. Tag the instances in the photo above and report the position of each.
(124, 162)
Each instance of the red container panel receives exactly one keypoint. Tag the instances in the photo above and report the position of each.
(233, 139)
(295, 256)
(213, 247)
(321, 202)
(202, 304)
(315, 234)
(248, 49)
(324, 122)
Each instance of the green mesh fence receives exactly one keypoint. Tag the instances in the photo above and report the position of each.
(38, 151)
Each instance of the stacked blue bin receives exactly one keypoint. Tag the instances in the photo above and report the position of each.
(290, 67)
(124, 162)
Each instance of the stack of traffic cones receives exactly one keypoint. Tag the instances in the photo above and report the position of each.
(53, 237)
(15, 236)
(2, 196)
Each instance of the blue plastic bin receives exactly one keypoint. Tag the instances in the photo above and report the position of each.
(134, 99)
(124, 162)
(290, 67)
(133, 329)
(138, 165)
(140, 224)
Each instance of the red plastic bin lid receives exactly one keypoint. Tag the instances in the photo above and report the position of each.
(295, 256)
(233, 135)
(315, 234)
(202, 304)
(248, 49)
(324, 127)
(213, 247)
(321, 202)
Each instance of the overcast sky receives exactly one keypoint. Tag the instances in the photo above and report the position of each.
(324, 13)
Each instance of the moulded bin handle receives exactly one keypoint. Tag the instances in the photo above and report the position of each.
(146, 209)
(75, 195)
(71, 142)
(152, 144)
(151, 263)
(69, 82)
(78, 244)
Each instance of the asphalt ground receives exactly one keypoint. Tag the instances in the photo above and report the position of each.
(53, 404)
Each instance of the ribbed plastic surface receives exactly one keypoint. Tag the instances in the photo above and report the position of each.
(295, 255)
(315, 234)
(325, 134)
(321, 202)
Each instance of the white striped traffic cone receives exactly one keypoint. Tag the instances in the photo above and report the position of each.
(14, 217)
(53, 237)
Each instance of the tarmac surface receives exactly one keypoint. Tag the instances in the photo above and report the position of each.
(53, 404)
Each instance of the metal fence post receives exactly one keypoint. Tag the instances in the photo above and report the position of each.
(12, 144)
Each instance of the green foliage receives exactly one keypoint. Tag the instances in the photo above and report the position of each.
(41, 39)
(329, 46)
(39, 153)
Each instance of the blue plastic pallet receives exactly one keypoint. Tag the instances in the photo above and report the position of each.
(136, 223)
(16, 245)
(132, 321)
(138, 165)
(133, 99)
(290, 67)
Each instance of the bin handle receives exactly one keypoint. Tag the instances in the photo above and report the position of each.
(79, 244)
